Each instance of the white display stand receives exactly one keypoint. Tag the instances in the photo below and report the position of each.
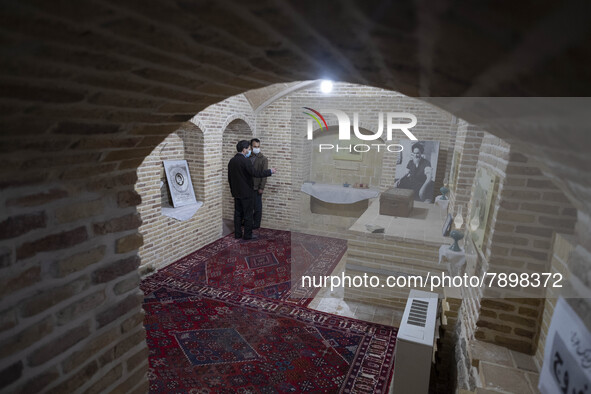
(183, 213)
(455, 260)
(441, 203)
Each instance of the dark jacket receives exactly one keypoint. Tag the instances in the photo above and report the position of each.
(240, 174)
(260, 164)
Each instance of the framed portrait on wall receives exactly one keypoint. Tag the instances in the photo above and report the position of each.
(179, 182)
(481, 205)
(417, 167)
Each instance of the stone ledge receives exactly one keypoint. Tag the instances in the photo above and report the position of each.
(506, 379)
(503, 370)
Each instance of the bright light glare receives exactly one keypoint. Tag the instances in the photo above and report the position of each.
(326, 86)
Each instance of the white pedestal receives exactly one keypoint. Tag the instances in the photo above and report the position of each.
(456, 261)
(441, 203)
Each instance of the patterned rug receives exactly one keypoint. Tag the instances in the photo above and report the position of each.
(264, 266)
(221, 341)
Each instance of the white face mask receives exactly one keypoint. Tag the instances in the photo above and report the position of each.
(256, 151)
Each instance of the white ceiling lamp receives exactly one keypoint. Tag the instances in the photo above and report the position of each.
(326, 86)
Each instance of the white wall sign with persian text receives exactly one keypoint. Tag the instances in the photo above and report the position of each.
(567, 356)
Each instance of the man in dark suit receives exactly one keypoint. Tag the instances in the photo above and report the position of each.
(240, 174)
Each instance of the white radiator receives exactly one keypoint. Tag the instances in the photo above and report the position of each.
(415, 344)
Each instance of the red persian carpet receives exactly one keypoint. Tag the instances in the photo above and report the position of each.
(263, 266)
(220, 341)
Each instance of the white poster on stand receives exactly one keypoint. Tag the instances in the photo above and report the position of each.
(179, 182)
(567, 355)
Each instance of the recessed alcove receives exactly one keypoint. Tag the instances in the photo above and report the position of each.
(186, 143)
(345, 166)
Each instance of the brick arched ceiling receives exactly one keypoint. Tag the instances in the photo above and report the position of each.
(95, 67)
(258, 97)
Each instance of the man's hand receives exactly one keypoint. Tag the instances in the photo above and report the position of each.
(273, 171)
(260, 191)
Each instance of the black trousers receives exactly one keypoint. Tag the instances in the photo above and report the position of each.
(258, 209)
(243, 210)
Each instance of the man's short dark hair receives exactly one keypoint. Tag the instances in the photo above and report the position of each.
(255, 140)
(240, 146)
(419, 146)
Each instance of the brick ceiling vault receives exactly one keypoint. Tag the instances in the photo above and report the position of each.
(129, 64)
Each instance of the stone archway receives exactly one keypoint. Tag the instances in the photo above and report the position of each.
(89, 89)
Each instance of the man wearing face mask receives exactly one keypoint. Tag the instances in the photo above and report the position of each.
(240, 175)
(260, 163)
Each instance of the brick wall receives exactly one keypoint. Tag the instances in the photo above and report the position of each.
(324, 168)
(70, 313)
(578, 267)
(70, 300)
(383, 256)
(526, 212)
(466, 152)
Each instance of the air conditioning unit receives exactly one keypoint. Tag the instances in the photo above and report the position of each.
(415, 344)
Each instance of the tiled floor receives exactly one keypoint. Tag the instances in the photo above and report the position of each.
(502, 370)
(334, 302)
